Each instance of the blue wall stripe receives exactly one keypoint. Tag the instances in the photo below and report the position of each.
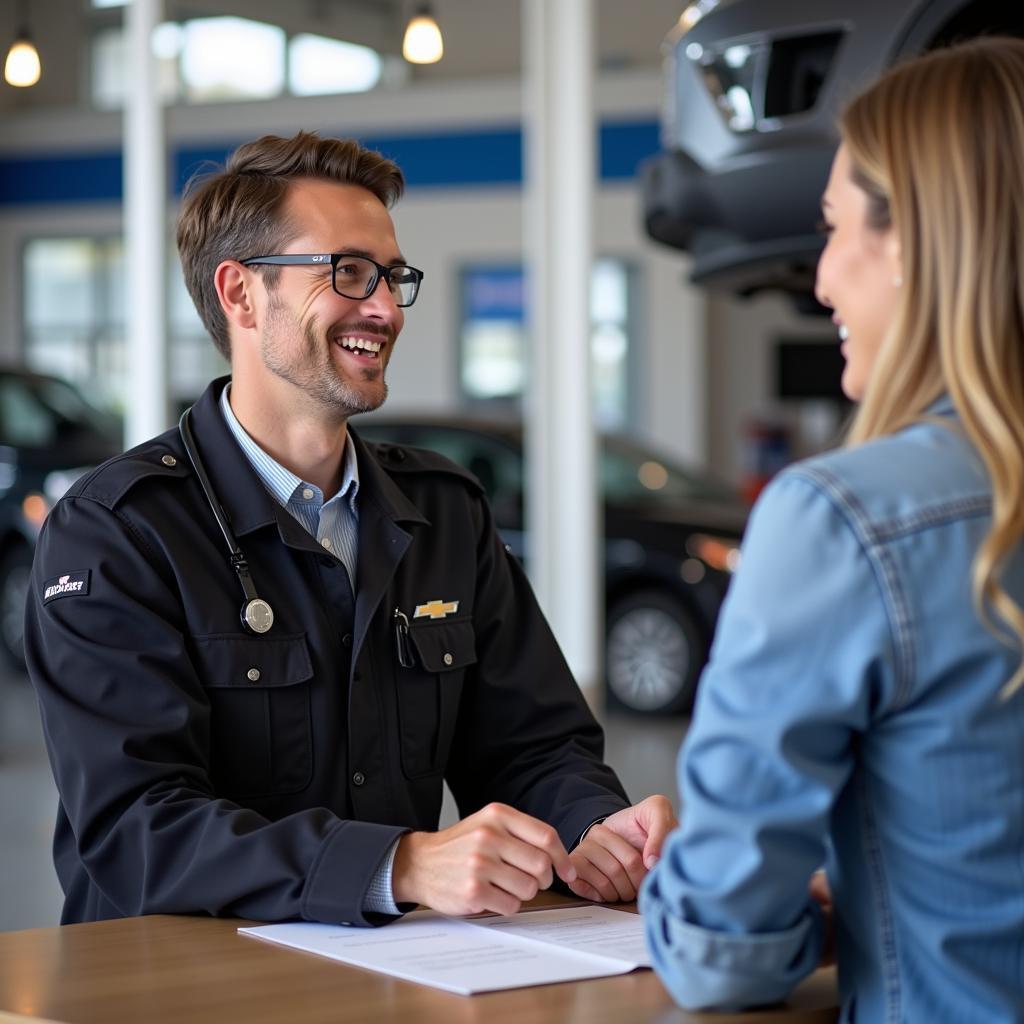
(622, 145)
(489, 157)
(81, 178)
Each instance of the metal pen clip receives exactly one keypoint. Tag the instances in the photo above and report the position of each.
(402, 647)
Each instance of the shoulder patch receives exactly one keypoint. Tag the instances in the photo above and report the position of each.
(72, 584)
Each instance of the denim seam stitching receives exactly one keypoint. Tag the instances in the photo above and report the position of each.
(887, 933)
(871, 543)
(948, 512)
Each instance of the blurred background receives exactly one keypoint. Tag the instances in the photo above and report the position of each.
(710, 365)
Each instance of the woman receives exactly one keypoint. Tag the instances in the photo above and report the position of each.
(863, 706)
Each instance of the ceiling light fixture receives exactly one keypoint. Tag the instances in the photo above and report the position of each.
(22, 67)
(423, 43)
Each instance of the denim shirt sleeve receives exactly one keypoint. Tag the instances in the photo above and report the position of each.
(798, 665)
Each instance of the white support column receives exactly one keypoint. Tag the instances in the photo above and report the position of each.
(563, 512)
(145, 214)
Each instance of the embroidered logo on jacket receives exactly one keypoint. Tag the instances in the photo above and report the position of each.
(73, 584)
(435, 609)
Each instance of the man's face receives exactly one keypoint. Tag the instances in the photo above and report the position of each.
(334, 349)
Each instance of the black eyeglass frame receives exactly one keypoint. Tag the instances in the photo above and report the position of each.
(334, 258)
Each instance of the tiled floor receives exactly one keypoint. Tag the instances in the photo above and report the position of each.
(641, 750)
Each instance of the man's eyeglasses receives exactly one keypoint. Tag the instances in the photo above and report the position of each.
(352, 276)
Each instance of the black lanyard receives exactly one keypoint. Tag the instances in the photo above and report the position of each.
(257, 615)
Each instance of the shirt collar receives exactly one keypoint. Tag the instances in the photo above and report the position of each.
(280, 481)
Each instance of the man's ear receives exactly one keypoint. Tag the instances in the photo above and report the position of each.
(235, 290)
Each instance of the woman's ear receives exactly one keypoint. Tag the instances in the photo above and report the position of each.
(234, 284)
(894, 255)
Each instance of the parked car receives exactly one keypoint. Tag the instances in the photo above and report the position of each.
(753, 89)
(671, 543)
(49, 436)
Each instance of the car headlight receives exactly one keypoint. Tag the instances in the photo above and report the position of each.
(35, 508)
(721, 553)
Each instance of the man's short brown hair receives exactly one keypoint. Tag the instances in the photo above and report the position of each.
(236, 213)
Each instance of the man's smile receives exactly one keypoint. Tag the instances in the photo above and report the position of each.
(368, 348)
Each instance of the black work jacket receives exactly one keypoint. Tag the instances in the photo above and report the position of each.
(203, 769)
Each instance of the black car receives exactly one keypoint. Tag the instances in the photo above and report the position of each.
(49, 436)
(753, 91)
(671, 544)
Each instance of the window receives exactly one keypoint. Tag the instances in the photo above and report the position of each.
(231, 59)
(317, 65)
(492, 363)
(74, 320)
(74, 311)
(206, 60)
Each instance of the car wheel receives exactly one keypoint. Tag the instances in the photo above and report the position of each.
(15, 569)
(654, 652)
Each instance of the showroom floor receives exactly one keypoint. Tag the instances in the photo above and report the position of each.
(641, 750)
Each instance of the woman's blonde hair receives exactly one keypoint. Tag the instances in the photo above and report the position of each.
(938, 146)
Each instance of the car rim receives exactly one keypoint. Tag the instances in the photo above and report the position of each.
(648, 659)
(12, 612)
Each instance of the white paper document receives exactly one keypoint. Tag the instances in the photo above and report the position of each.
(482, 955)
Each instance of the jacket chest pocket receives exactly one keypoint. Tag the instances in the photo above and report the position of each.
(261, 741)
(428, 693)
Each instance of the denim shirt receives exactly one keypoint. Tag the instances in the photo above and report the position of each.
(850, 715)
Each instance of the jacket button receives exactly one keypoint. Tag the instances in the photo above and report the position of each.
(358, 778)
(253, 675)
(448, 659)
(169, 460)
(347, 640)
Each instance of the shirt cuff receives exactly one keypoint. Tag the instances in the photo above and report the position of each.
(380, 897)
(583, 834)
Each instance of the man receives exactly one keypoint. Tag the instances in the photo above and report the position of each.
(291, 764)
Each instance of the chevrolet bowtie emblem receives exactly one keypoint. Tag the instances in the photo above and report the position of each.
(435, 609)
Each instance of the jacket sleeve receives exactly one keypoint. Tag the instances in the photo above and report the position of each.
(798, 661)
(127, 726)
(525, 735)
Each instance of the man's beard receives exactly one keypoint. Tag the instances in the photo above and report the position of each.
(313, 370)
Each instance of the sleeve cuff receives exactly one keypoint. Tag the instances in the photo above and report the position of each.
(706, 969)
(338, 883)
(583, 834)
(380, 897)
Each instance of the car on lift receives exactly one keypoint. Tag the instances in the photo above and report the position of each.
(671, 543)
(49, 436)
(752, 95)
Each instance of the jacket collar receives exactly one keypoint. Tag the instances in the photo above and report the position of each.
(377, 487)
(942, 406)
(250, 506)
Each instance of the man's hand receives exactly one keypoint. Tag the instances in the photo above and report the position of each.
(491, 861)
(616, 855)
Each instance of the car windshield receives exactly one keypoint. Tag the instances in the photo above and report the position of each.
(40, 412)
(630, 472)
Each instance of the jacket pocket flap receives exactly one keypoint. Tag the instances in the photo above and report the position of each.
(444, 646)
(253, 662)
